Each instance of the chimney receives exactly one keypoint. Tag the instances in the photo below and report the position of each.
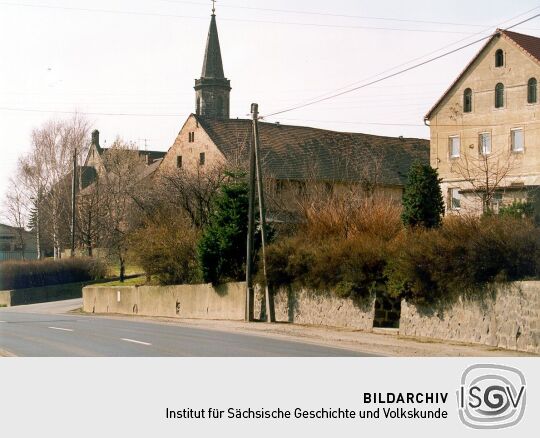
(95, 138)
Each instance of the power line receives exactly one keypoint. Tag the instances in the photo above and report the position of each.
(328, 14)
(393, 74)
(355, 122)
(426, 55)
(31, 110)
(416, 125)
(161, 15)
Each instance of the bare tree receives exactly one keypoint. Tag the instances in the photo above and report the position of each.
(486, 173)
(45, 171)
(33, 178)
(119, 189)
(16, 212)
(91, 217)
(192, 191)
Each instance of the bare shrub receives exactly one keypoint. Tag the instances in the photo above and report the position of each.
(343, 244)
(350, 214)
(165, 246)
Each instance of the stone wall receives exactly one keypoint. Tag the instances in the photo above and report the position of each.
(40, 294)
(5, 298)
(185, 301)
(510, 319)
(302, 306)
(228, 301)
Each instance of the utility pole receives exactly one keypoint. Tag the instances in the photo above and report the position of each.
(73, 202)
(269, 299)
(250, 295)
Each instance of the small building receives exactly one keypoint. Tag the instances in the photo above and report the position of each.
(485, 138)
(17, 244)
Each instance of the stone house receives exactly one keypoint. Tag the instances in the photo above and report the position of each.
(485, 139)
(94, 164)
(292, 156)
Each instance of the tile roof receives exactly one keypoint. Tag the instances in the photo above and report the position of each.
(301, 153)
(150, 169)
(529, 43)
(153, 155)
(87, 174)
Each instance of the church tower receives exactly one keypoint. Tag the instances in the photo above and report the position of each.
(213, 89)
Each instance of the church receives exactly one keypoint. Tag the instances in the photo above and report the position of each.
(292, 156)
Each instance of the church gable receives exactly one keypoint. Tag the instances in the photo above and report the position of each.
(192, 150)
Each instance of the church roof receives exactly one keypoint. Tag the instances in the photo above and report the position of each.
(304, 153)
(212, 65)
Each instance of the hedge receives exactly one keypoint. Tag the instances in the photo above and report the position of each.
(36, 273)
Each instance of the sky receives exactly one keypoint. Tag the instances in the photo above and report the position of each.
(130, 66)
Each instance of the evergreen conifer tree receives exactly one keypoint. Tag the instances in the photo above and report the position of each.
(422, 198)
(222, 247)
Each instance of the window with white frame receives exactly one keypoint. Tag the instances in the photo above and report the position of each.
(454, 198)
(516, 140)
(453, 146)
(484, 143)
(496, 202)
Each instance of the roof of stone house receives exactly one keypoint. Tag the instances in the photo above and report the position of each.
(527, 43)
(150, 169)
(88, 175)
(304, 153)
(153, 155)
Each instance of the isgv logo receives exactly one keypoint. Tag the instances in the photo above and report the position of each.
(491, 396)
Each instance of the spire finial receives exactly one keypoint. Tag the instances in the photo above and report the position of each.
(213, 7)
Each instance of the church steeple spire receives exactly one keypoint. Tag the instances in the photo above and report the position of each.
(212, 65)
(212, 89)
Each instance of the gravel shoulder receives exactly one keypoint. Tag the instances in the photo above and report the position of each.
(381, 342)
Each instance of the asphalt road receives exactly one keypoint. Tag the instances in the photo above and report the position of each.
(42, 330)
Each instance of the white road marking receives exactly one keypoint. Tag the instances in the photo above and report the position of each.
(3, 321)
(135, 342)
(60, 328)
